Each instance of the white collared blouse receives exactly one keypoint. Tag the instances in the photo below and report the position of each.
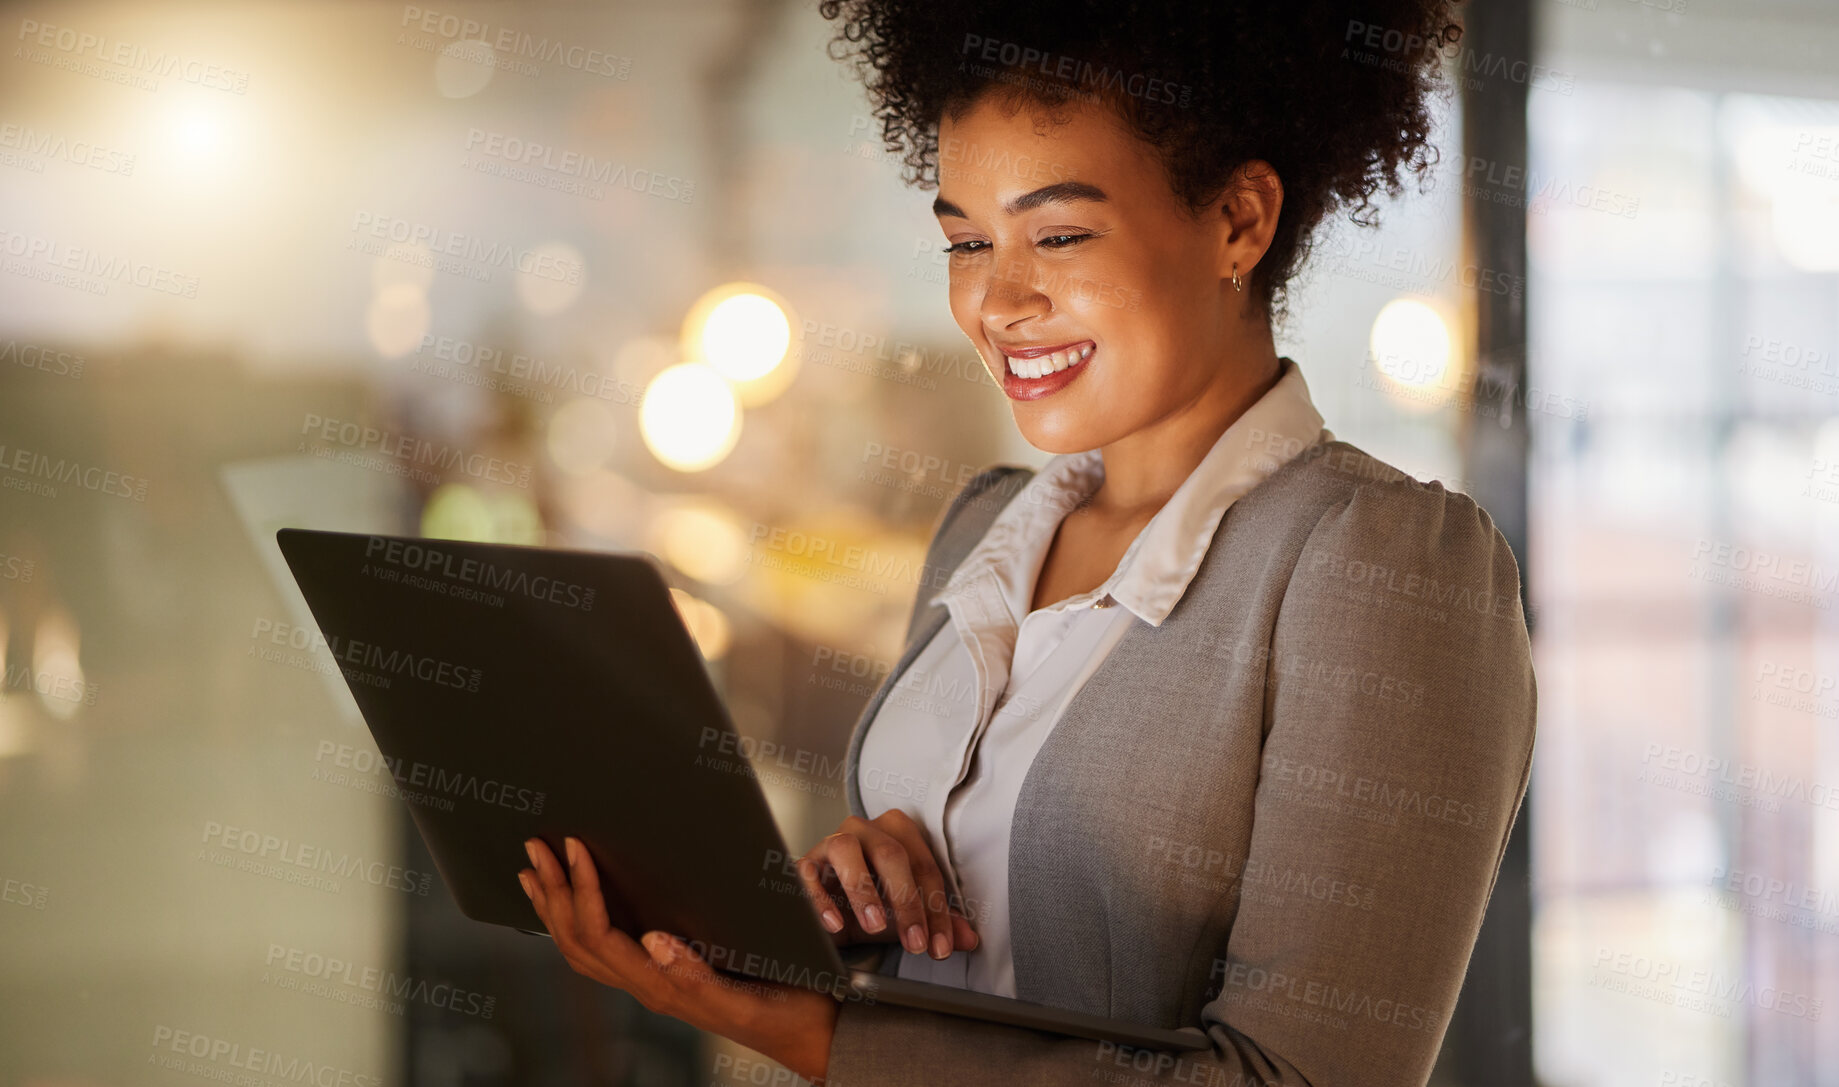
(955, 738)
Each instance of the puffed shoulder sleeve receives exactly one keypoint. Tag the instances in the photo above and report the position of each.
(1398, 736)
(1400, 725)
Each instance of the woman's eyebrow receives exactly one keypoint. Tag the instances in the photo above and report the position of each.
(1059, 193)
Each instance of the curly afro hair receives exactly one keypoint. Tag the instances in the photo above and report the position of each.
(1335, 96)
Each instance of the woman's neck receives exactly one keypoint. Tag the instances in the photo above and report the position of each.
(1144, 469)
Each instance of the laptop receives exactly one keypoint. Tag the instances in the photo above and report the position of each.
(519, 692)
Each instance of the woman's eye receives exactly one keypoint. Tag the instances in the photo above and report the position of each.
(1052, 241)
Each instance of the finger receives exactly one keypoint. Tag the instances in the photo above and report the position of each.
(683, 984)
(934, 903)
(590, 905)
(852, 931)
(539, 901)
(616, 954)
(899, 888)
(543, 901)
(603, 953)
(844, 852)
(554, 892)
(962, 934)
(668, 952)
(616, 959)
(811, 875)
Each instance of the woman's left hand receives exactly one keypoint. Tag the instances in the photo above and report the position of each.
(792, 1026)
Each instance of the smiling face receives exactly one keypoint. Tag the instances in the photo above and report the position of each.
(1070, 254)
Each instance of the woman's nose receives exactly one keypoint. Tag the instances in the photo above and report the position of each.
(1010, 295)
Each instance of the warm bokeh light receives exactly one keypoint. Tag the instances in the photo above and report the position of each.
(407, 262)
(57, 674)
(744, 332)
(603, 507)
(201, 150)
(464, 68)
(1805, 223)
(744, 336)
(708, 626)
(689, 417)
(1779, 162)
(799, 584)
(583, 435)
(198, 136)
(397, 319)
(704, 539)
(1410, 346)
(15, 729)
(457, 511)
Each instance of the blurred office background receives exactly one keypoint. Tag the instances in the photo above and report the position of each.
(641, 276)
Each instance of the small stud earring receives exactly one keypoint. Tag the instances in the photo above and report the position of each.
(1235, 277)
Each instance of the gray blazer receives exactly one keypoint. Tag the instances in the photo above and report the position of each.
(1277, 817)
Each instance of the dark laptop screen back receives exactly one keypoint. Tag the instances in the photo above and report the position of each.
(521, 691)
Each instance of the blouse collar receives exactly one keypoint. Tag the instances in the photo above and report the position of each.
(1159, 564)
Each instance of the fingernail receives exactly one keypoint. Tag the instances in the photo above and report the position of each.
(941, 946)
(832, 921)
(573, 848)
(916, 939)
(530, 848)
(524, 881)
(873, 919)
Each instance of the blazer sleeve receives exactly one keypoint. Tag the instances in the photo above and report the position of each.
(1399, 729)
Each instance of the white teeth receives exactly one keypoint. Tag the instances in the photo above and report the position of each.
(1048, 364)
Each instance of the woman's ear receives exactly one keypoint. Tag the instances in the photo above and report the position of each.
(1249, 208)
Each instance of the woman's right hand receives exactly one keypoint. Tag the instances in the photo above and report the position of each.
(884, 869)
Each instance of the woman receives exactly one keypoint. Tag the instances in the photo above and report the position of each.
(1218, 721)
